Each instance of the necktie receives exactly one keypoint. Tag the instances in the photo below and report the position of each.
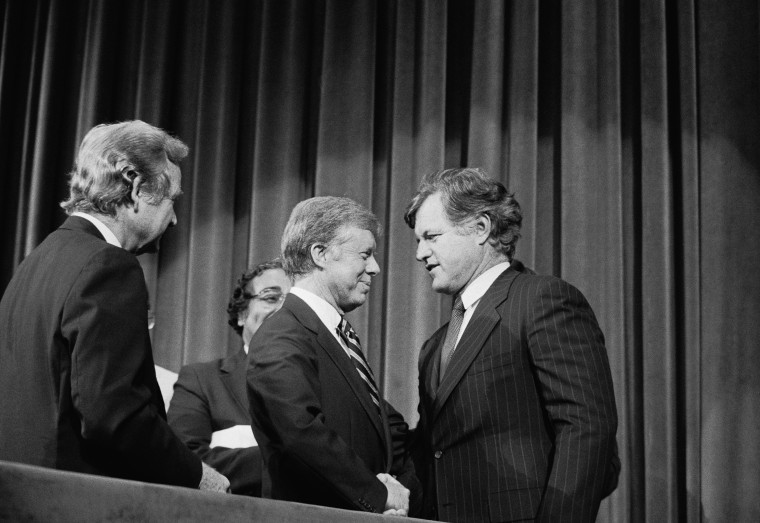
(449, 344)
(348, 335)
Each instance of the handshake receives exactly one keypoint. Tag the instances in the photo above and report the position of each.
(397, 503)
(213, 481)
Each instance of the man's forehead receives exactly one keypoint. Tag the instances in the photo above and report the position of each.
(354, 234)
(431, 216)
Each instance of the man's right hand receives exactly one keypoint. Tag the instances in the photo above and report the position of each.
(397, 503)
(213, 480)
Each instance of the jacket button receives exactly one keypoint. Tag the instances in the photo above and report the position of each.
(438, 454)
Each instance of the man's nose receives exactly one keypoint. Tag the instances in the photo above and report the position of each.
(372, 266)
(422, 252)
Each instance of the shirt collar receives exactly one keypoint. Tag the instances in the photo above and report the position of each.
(326, 312)
(475, 290)
(109, 236)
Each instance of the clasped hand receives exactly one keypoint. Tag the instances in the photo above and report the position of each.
(398, 496)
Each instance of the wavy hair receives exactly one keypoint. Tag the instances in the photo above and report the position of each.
(319, 220)
(110, 157)
(467, 193)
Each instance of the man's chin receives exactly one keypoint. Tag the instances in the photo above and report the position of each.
(356, 302)
(441, 287)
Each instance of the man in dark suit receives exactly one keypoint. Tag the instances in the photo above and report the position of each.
(517, 409)
(78, 387)
(209, 408)
(327, 436)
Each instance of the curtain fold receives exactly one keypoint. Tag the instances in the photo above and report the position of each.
(729, 116)
(628, 131)
(657, 268)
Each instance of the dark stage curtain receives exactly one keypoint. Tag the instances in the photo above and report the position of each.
(629, 131)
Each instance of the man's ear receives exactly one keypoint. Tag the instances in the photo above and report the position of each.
(482, 228)
(318, 253)
(135, 180)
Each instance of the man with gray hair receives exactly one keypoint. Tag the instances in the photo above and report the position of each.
(327, 436)
(78, 388)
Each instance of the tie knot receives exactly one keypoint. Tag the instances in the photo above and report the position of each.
(348, 331)
(458, 305)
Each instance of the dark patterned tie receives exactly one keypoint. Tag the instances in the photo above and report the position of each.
(449, 344)
(348, 335)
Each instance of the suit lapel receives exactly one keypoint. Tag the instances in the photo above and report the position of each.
(346, 366)
(338, 355)
(232, 372)
(478, 330)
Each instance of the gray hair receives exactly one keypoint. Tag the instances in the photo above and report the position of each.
(467, 193)
(109, 158)
(320, 220)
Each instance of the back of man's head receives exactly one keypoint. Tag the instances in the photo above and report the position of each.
(319, 220)
(111, 156)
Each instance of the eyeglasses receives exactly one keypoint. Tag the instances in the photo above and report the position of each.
(270, 297)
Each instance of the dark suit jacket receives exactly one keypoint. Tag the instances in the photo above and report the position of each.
(78, 387)
(320, 435)
(523, 424)
(212, 396)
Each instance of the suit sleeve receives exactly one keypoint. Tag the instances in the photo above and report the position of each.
(574, 378)
(190, 416)
(284, 392)
(112, 375)
(403, 465)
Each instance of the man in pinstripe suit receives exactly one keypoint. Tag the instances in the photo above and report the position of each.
(517, 409)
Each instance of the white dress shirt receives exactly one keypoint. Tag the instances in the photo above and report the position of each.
(327, 313)
(104, 230)
(475, 290)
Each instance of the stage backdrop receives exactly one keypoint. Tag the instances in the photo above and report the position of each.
(630, 132)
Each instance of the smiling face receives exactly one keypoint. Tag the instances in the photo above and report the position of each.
(453, 256)
(349, 265)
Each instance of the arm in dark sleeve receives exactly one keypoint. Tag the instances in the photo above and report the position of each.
(403, 465)
(190, 416)
(284, 393)
(112, 375)
(575, 382)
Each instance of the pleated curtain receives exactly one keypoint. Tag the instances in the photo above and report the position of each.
(628, 131)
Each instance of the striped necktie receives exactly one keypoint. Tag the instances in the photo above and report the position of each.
(452, 333)
(351, 340)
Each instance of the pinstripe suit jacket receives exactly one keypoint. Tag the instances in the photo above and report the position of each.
(522, 426)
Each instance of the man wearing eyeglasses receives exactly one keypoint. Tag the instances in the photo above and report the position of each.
(209, 408)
